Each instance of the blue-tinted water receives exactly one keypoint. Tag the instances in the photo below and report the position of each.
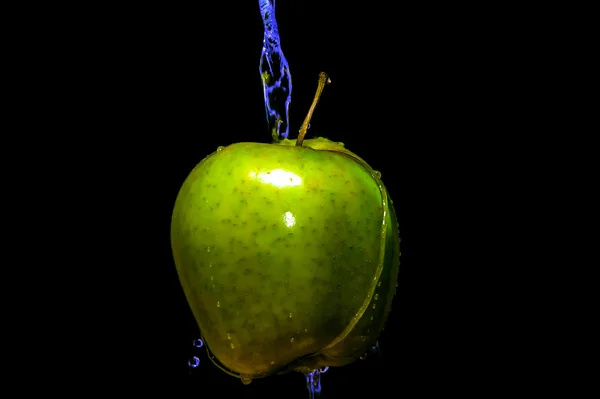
(275, 75)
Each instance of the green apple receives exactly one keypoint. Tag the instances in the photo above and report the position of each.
(288, 254)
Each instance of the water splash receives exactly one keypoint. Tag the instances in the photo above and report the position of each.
(275, 74)
(313, 382)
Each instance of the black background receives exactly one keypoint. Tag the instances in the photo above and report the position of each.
(419, 92)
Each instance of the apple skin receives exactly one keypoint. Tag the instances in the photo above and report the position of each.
(288, 256)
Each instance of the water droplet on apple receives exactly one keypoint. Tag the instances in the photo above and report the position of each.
(246, 379)
(290, 315)
(194, 362)
(208, 249)
(198, 343)
(218, 304)
(292, 340)
(377, 173)
(220, 148)
(232, 345)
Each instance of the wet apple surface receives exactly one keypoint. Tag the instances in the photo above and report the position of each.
(288, 255)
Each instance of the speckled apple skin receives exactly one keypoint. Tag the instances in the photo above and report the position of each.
(288, 256)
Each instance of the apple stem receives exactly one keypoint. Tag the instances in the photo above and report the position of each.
(323, 80)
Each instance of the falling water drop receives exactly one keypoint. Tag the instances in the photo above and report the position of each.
(246, 379)
(198, 343)
(375, 350)
(194, 362)
(275, 74)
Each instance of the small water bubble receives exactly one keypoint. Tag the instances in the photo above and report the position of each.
(374, 306)
(292, 340)
(210, 264)
(220, 148)
(306, 330)
(211, 278)
(228, 336)
(208, 249)
(218, 304)
(246, 379)
(379, 284)
(198, 343)
(232, 345)
(376, 296)
(194, 362)
(290, 315)
(377, 173)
